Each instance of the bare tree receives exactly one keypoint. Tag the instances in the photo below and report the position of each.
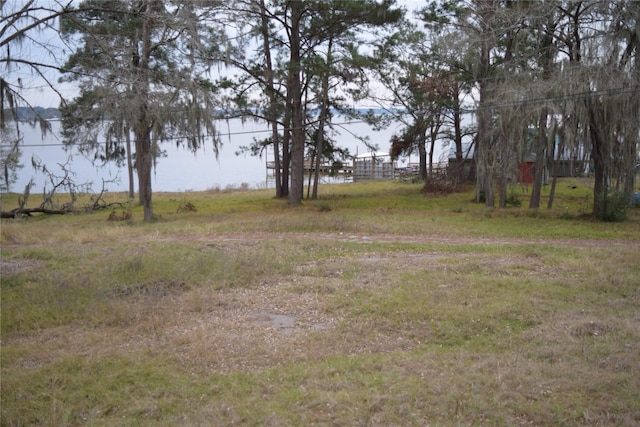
(27, 54)
(418, 93)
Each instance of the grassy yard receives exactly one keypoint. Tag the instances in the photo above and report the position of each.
(374, 305)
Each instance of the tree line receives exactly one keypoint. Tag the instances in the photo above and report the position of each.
(545, 77)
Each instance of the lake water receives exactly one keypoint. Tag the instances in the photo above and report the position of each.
(183, 170)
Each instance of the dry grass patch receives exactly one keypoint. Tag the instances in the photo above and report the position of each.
(172, 323)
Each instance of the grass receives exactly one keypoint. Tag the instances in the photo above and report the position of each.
(409, 310)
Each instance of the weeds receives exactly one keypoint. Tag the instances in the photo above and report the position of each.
(404, 314)
(124, 216)
(187, 207)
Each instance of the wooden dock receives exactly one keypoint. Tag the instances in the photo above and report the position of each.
(325, 168)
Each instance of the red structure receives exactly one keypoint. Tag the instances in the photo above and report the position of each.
(525, 172)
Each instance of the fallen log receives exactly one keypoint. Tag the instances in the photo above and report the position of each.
(17, 212)
(28, 211)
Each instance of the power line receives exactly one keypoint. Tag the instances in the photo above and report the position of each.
(527, 102)
(176, 138)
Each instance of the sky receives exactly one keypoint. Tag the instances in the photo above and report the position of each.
(45, 47)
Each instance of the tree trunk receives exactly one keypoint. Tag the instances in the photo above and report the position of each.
(546, 60)
(142, 127)
(630, 170)
(457, 126)
(6, 176)
(538, 168)
(554, 170)
(271, 91)
(484, 163)
(286, 153)
(631, 143)
(599, 157)
(503, 192)
(144, 162)
(318, 156)
(276, 158)
(432, 144)
(489, 194)
(434, 128)
(312, 174)
(324, 111)
(297, 133)
(127, 136)
(422, 153)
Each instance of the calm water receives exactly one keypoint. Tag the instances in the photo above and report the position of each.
(183, 170)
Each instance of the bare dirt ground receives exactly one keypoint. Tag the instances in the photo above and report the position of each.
(391, 238)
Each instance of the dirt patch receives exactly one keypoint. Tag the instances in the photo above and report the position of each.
(204, 329)
(9, 267)
(156, 290)
(252, 238)
(283, 323)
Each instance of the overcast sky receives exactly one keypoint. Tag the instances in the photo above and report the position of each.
(45, 47)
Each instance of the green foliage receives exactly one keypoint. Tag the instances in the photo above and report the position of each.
(612, 207)
(566, 215)
(513, 200)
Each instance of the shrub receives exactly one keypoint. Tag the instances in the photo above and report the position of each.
(613, 207)
(324, 207)
(187, 207)
(513, 200)
(439, 186)
(566, 215)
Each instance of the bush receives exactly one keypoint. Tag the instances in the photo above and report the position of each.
(440, 187)
(566, 215)
(324, 207)
(513, 200)
(613, 207)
